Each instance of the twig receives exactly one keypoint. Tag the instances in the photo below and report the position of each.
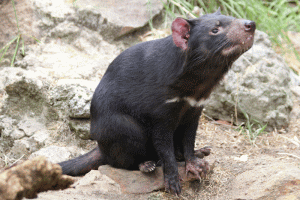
(208, 117)
(292, 155)
(291, 140)
(18, 160)
(218, 123)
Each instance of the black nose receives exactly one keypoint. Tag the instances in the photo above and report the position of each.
(249, 26)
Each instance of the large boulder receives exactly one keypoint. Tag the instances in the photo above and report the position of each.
(110, 18)
(257, 87)
(117, 17)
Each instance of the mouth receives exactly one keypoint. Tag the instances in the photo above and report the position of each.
(239, 47)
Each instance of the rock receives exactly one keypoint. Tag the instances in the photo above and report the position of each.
(30, 126)
(81, 128)
(6, 128)
(76, 61)
(116, 18)
(41, 136)
(295, 79)
(57, 154)
(276, 180)
(3, 97)
(137, 182)
(22, 138)
(52, 12)
(72, 97)
(26, 92)
(17, 134)
(65, 30)
(93, 44)
(80, 103)
(89, 178)
(6, 125)
(258, 84)
(64, 61)
(296, 91)
(89, 16)
(23, 147)
(102, 182)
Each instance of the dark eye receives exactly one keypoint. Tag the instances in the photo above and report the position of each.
(215, 30)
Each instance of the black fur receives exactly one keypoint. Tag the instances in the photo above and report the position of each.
(140, 111)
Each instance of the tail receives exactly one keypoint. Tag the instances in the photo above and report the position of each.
(83, 164)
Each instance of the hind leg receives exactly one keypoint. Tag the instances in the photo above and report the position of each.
(121, 139)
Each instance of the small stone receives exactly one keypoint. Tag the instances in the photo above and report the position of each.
(296, 90)
(17, 134)
(41, 136)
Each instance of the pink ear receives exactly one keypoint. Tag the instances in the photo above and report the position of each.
(180, 32)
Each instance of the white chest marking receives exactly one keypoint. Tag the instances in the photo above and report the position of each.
(176, 99)
(193, 102)
(190, 100)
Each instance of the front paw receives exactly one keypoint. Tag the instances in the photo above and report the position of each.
(198, 167)
(172, 184)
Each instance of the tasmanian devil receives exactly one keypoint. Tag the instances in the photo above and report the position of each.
(148, 103)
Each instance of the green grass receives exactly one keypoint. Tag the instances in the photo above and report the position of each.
(17, 39)
(252, 128)
(275, 17)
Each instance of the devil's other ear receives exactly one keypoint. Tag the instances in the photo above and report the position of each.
(218, 12)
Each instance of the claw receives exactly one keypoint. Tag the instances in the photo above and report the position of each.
(172, 185)
(198, 167)
(148, 166)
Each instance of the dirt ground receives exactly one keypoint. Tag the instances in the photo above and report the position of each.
(233, 154)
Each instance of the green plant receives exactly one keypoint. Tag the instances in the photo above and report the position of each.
(149, 7)
(16, 39)
(252, 128)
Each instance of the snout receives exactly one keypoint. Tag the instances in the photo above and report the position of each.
(241, 35)
(250, 26)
